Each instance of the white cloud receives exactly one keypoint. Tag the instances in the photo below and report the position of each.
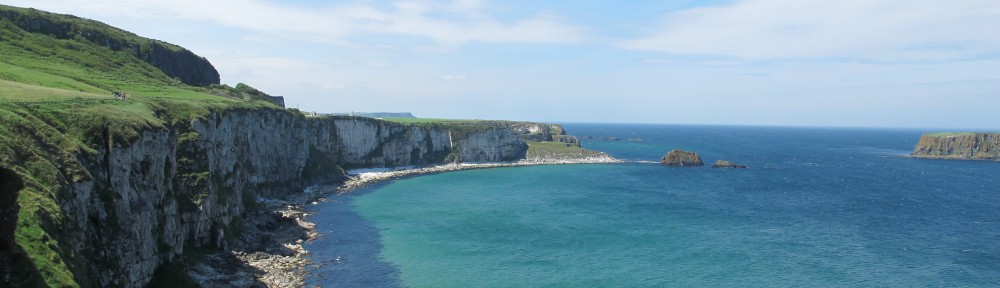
(450, 77)
(334, 86)
(450, 24)
(883, 30)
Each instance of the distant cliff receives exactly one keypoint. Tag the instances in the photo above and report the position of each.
(173, 60)
(378, 114)
(964, 146)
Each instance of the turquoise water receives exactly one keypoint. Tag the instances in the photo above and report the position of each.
(818, 207)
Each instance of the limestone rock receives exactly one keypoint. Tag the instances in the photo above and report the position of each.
(679, 157)
(727, 164)
(492, 145)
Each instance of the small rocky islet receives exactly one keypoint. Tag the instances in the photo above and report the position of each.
(728, 164)
(681, 158)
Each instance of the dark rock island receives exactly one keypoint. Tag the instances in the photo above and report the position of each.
(679, 157)
(959, 146)
(727, 164)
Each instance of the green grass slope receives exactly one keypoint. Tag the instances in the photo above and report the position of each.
(173, 60)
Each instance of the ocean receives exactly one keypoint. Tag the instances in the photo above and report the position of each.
(818, 207)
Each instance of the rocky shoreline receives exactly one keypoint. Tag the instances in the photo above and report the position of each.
(270, 251)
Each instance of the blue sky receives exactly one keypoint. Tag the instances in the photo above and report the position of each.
(867, 63)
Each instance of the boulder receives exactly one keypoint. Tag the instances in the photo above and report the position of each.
(727, 164)
(679, 157)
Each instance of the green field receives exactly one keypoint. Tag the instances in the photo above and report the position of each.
(945, 134)
(428, 120)
(20, 92)
(557, 150)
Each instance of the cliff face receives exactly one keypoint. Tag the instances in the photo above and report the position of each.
(491, 146)
(369, 143)
(174, 61)
(973, 146)
(188, 184)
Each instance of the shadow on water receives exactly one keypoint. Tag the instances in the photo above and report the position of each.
(347, 252)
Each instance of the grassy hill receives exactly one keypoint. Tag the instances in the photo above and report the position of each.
(174, 61)
(56, 94)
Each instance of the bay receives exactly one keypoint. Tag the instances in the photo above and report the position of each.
(817, 207)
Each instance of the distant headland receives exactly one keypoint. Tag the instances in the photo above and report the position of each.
(959, 146)
(377, 114)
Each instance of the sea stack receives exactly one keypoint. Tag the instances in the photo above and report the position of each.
(679, 157)
(727, 164)
(960, 146)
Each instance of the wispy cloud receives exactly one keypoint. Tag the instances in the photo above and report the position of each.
(883, 30)
(451, 77)
(448, 24)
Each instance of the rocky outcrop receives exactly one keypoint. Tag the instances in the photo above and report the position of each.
(679, 157)
(10, 185)
(727, 164)
(143, 202)
(174, 61)
(177, 63)
(963, 146)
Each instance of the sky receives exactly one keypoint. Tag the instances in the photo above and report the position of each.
(928, 64)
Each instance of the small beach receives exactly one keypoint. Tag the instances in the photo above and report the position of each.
(363, 177)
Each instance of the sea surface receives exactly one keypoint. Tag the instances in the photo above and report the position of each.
(818, 207)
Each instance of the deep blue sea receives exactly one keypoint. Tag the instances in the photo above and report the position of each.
(818, 207)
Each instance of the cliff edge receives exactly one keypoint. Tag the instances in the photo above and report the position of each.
(959, 146)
